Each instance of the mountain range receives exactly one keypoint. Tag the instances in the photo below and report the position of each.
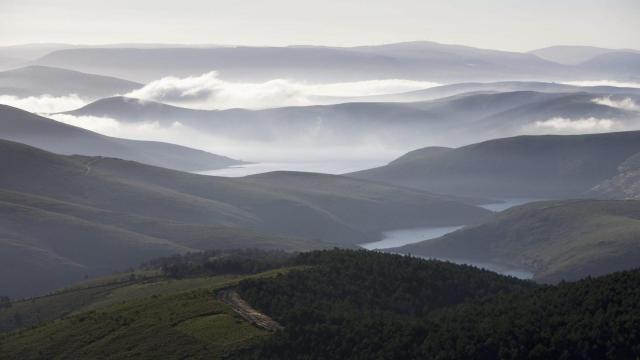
(411, 60)
(555, 240)
(21, 126)
(572, 55)
(41, 80)
(538, 167)
(65, 217)
(454, 120)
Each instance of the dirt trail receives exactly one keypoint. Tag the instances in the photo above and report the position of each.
(89, 163)
(233, 299)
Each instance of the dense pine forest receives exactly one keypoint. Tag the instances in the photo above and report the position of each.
(369, 305)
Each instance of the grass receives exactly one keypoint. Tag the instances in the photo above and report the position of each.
(556, 240)
(149, 318)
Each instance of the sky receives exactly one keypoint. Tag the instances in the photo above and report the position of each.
(517, 25)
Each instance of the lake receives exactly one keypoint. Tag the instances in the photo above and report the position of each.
(397, 238)
(325, 166)
(401, 237)
(508, 203)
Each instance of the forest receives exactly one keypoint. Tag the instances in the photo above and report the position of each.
(355, 304)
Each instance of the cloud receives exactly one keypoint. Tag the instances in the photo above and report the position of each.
(44, 104)
(582, 125)
(604, 83)
(111, 127)
(207, 91)
(624, 104)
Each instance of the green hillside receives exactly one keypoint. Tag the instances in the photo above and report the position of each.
(148, 317)
(68, 217)
(555, 240)
(44, 133)
(539, 167)
(338, 304)
(374, 306)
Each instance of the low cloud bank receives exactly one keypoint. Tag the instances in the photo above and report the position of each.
(44, 104)
(604, 83)
(624, 104)
(208, 91)
(560, 125)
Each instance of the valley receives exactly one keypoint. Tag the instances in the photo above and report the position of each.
(319, 180)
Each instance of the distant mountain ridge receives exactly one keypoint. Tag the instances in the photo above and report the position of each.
(449, 121)
(573, 55)
(412, 60)
(38, 131)
(40, 80)
(556, 240)
(544, 166)
(65, 217)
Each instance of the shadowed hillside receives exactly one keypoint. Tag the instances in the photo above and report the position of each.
(560, 240)
(524, 166)
(21, 126)
(40, 80)
(450, 121)
(59, 209)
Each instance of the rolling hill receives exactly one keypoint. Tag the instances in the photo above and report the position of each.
(622, 65)
(450, 121)
(542, 167)
(41, 80)
(411, 60)
(572, 55)
(556, 240)
(353, 304)
(155, 309)
(438, 92)
(21, 126)
(623, 185)
(66, 217)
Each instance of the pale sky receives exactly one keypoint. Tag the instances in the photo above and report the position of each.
(518, 25)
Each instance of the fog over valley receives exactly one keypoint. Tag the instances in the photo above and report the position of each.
(329, 179)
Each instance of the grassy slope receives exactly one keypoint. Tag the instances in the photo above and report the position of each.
(545, 166)
(39, 80)
(147, 191)
(120, 318)
(57, 209)
(22, 126)
(48, 244)
(556, 240)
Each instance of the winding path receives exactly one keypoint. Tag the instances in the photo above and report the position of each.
(242, 308)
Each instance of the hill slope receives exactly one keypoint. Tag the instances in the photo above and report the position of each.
(21, 126)
(617, 64)
(133, 316)
(563, 240)
(524, 166)
(572, 55)
(350, 304)
(77, 216)
(411, 60)
(450, 121)
(40, 80)
(438, 92)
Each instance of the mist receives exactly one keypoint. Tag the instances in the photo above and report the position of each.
(629, 84)
(44, 104)
(296, 153)
(209, 92)
(624, 104)
(560, 125)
